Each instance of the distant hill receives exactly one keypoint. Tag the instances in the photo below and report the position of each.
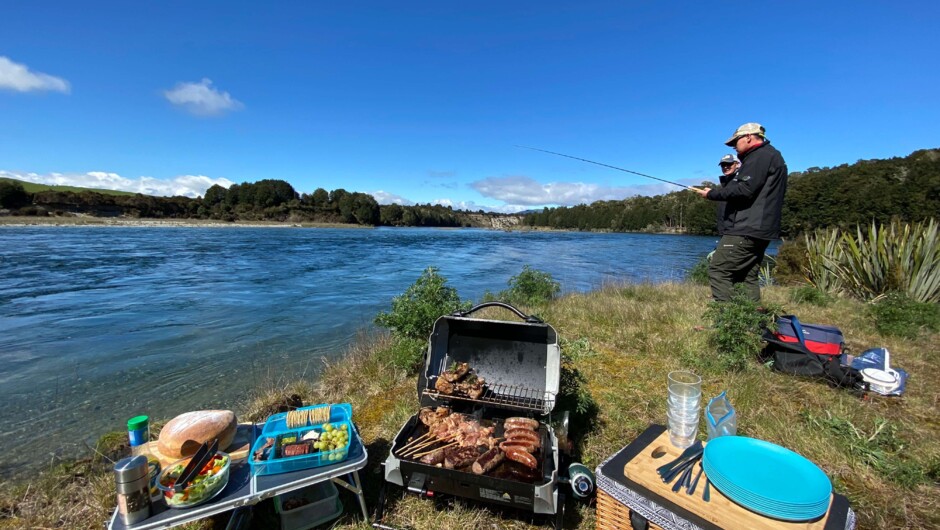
(32, 187)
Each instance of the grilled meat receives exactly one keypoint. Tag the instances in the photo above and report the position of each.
(435, 458)
(526, 435)
(487, 461)
(518, 444)
(472, 387)
(521, 456)
(515, 471)
(456, 372)
(430, 416)
(444, 386)
(517, 422)
(459, 457)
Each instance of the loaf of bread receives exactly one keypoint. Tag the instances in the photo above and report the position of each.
(183, 435)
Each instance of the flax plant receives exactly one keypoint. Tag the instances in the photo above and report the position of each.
(895, 257)
(823, 253)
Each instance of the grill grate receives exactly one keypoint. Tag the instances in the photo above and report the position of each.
(506, 396)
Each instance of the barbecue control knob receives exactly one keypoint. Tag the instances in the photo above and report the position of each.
(581, 479)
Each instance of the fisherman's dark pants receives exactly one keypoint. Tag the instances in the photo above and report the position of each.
(736, 260)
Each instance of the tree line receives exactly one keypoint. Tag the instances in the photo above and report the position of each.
(903, 188)
(265, 200)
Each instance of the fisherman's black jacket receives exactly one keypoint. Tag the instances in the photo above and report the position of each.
(754, 197)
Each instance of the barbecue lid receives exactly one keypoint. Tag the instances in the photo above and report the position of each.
(520, 361)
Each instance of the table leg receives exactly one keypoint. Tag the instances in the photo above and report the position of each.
(356, 488)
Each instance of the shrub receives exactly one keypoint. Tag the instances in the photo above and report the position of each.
(698, 274)
(810, 295)
(405, 353)
(738, 325)
(573, 393)
(531, 287)
(12, 195)
(413, 313)
(791, 263)
(898, 316)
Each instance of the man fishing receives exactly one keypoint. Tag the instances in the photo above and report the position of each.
(753, 204)
(729, 165)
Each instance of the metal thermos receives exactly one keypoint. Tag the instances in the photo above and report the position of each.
(132, 480)
(581, 479)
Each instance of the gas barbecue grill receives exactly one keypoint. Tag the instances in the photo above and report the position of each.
(521, 364)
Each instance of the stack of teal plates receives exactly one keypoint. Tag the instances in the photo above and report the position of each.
(766, 478)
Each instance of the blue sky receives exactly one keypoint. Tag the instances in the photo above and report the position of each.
(424, 102)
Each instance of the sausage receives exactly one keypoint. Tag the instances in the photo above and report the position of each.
(487, 461)
(524, 434)
(520, 445)
(522, 457)
(520, 422)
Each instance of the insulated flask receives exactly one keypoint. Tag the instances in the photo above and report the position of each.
(132, 483)
(582, 480)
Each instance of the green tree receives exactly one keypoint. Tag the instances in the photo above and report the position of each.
(414, 312)
(12, 195)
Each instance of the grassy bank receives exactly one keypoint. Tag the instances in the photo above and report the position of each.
(880, 452)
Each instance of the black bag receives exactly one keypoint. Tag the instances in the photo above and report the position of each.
(812, 350)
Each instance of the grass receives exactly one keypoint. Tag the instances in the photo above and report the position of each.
(880, 452)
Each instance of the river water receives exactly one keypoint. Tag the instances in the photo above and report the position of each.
(98, 324)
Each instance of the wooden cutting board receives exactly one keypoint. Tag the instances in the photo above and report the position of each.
(719, 510)
(238, 450)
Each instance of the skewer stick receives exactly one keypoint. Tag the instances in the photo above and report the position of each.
(426, 445)
(420, 446)
(419, 455)
(412, 442)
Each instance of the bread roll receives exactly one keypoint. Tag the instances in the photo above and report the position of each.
(183, 435)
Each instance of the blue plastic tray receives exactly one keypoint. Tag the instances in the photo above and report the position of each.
(276, 427)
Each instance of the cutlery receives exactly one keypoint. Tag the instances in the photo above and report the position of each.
(707, 495)
(691, 489)
(682, 479)
(196, 463)
(667, 478)
(664, 469)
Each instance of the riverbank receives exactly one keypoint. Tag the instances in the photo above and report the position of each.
(88, 220)
(879, 452)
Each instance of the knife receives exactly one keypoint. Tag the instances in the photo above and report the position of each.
(682, 478)
(664, 469)
(691, 489)
(681, 466)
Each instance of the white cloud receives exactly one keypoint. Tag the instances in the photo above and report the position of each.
(202, 99)
(384, 197)
(472, 206)
(527, 192)
(185, 185)
(15, 76)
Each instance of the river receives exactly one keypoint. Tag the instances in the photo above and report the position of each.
(98, 324)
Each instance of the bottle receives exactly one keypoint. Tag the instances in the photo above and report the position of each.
(582, 480)
(133, 489)
(138, 434)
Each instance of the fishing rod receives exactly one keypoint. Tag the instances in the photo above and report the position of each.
(610, 166)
